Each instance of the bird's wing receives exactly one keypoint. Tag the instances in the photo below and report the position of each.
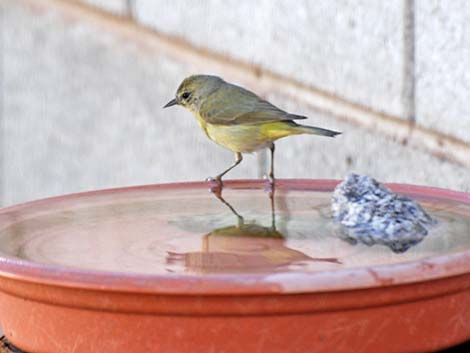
(233, 105)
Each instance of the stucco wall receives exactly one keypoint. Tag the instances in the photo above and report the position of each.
(82, 99)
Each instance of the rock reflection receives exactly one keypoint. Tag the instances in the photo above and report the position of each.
(246, 246)
(398, 246)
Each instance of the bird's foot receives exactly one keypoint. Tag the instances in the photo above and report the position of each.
(215, 185)
(270, 182)
(217, 180)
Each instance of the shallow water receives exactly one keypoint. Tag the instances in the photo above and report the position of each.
(191, 231)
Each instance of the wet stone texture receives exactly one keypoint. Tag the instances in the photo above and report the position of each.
(371, 214)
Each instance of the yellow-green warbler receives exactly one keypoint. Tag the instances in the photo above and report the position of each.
(238, 119)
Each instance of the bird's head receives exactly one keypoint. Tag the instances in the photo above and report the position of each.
(194, 90)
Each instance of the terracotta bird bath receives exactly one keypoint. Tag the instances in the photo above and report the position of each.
(174, 268)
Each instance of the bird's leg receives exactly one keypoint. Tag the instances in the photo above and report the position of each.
(273, 209)
(238, 159)
(271, 169)
(239, 217)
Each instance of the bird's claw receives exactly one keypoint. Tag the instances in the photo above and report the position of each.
(215, 180)
(270, 181)
(216, 185)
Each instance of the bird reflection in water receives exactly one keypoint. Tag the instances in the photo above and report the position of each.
(246, 246)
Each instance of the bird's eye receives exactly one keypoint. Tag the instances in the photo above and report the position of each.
(185, 95)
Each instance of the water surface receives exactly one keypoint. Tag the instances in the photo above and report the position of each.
(191, 231)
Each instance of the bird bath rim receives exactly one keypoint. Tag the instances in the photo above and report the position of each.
(428, 269)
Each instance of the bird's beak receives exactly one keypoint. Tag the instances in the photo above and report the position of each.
(170, 103)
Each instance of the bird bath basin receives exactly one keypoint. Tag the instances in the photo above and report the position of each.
(174, 268)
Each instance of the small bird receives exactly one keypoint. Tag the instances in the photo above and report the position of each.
(238, 119)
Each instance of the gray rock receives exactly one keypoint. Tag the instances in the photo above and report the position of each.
(371, 214)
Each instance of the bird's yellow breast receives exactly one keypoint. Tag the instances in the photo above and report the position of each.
(245, 137)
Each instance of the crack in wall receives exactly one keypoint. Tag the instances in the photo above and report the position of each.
(2, 111)
(409, 64)
(131, 8)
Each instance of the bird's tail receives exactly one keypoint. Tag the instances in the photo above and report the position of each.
(279, 129)
(313, 130)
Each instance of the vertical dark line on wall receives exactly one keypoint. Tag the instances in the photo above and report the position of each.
(130, 8)
(409, 65)
(2, 110)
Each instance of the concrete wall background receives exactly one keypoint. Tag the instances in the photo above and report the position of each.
(81, 101)
(442, 66)
(350, 51)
